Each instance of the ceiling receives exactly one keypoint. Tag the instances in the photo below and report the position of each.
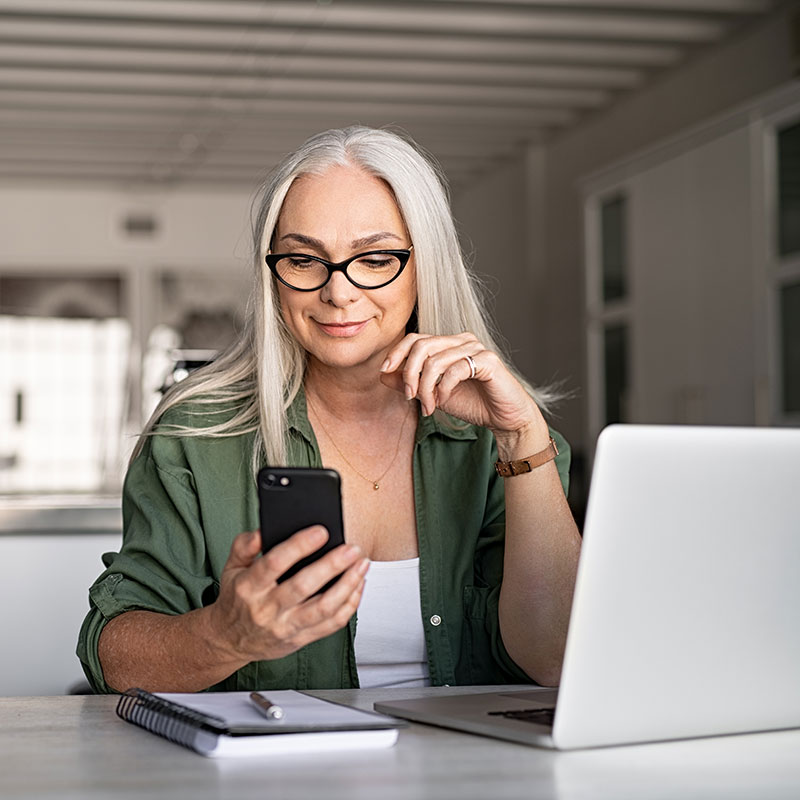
(136, 92)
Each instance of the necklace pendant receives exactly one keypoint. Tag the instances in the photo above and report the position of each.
(376, 486)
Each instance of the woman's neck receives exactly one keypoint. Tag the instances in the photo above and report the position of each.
(348, 393)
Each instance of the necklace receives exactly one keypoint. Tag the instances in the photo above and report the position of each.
(376, 484)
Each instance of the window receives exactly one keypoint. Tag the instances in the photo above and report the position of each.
(613, 218)
(789, 190)
(784, 275)
(609, 299)
(64, 349)
(790, 347)
(615, 365)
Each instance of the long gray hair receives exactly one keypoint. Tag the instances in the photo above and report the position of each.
(261, 374)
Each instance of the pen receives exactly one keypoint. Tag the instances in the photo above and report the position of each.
(268, 709)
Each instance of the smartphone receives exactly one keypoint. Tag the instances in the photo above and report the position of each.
(292, 498)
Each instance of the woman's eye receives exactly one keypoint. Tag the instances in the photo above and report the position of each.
(301, 263)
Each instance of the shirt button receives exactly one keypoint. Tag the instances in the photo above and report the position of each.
(436, 620)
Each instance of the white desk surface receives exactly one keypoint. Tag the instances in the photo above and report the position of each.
(76, 747)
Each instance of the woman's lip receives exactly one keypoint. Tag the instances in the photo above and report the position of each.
(341, 329)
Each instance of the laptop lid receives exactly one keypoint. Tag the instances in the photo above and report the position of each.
(684, 617)
(684, 621)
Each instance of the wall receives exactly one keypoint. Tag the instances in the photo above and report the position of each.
(44, 598)
(491, 220)
(736, 72)
(548, 325)
(67, 226)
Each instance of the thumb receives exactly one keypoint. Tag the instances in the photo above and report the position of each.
(245, 549)
(394, 380)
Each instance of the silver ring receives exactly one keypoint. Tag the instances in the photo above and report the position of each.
(472, 370)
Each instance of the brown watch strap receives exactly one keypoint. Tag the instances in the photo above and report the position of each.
(508, 469)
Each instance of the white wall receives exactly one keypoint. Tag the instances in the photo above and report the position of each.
(553, 343)
(44, 598)
(738, 71)
(70, 225)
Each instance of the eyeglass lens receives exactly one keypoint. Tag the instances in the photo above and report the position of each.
(305, 272)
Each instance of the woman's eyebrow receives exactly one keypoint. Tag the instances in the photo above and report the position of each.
(364, 241)
(303, 239)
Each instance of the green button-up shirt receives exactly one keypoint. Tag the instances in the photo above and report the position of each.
(186, 498)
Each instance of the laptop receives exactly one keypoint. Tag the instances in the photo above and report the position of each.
(685, 616)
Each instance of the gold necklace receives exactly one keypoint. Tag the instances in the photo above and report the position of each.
(376, 484)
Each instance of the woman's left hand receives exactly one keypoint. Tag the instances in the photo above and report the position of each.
(436, 371)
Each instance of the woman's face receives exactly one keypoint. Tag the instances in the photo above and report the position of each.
(335, 215)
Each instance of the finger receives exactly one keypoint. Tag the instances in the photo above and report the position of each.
(286, 554)
(450, 362)
(398, 354)
(459, 371)
(346, 592)
(333, 623)
(312, 578)
(421, 351)
(244, 550)
(324, 614)
(394, 380)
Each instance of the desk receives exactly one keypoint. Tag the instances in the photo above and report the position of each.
(76, 747)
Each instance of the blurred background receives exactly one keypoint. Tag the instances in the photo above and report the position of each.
(625, 175)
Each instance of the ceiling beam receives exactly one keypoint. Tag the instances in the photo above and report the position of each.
(180, 62)
(378, 45)
(491, 21)
(247, 87)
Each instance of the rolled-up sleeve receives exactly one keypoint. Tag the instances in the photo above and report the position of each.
(162, 565)
(482, 599)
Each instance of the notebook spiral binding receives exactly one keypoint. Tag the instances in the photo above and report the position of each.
(175, 723)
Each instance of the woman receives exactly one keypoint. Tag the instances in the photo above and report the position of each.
(367, 351)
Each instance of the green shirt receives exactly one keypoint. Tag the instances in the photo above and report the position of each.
(186, 498)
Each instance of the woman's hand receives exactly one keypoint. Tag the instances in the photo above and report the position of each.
(256, 618)
(435, 370)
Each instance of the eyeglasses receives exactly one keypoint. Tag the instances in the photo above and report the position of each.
(371, 270)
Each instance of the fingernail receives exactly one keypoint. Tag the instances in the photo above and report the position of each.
(409, 392)
(363, 567)
(385, 365)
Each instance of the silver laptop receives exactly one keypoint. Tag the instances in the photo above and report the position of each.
(686, 609)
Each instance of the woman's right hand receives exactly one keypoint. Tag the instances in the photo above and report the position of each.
(256, 618)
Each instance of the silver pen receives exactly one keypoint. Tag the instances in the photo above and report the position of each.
(267, 708)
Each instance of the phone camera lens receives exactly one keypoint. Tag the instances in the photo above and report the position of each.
(270, 480)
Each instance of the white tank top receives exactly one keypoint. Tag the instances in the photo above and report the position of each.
(390, 641)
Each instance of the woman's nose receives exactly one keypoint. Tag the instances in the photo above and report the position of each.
(338, 291)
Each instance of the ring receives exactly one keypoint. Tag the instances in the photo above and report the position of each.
(471, 362)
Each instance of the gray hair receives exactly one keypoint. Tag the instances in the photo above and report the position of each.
(261, 374)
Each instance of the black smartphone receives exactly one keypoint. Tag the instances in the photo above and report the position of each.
(292, 498)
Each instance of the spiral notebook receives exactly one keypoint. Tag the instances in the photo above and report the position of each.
(220, 724)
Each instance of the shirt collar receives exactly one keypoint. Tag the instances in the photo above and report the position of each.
(297, 416)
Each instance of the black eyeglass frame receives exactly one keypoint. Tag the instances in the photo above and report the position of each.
(402, 256)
